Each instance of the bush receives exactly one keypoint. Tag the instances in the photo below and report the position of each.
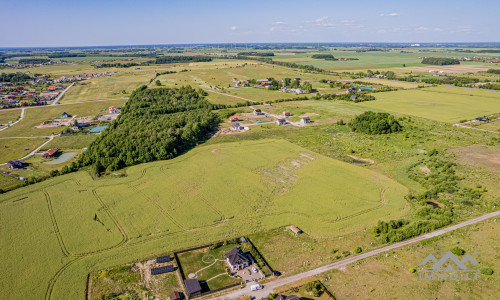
(458, 251)
(358, 250)
(487, 271)
(375, 123)
(346, 253)
(412, 270)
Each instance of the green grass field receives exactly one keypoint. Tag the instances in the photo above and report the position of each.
(14, 148)
(445, 104)
(137, 218)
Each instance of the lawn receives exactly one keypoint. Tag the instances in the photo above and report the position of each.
(9, 115)
(82, 224)
(15, 148)
(445, 104)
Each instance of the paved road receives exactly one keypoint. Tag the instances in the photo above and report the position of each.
(269, 287)
(9, 125)
(62, 94)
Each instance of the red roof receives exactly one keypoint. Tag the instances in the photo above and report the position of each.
(286, 111)
(233, 118)
(295, 229)
(51, 152)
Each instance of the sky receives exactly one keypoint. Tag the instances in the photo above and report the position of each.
(35, 23)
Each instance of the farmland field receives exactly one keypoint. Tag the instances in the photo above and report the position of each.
(446, 104)
(108, 233)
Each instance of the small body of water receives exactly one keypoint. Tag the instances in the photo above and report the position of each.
(366, 87)
(61, 158)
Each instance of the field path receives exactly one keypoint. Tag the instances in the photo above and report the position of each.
(463, 126)
(87, 101)
(269, 287)
(22, 117)
(211, 91)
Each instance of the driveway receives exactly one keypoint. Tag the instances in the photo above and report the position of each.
(248, 275)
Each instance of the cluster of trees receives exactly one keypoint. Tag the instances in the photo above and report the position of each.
(493, 71)
(66, 54)
(323, 56)
(370, 122)
(440, 61)
(155, 124)
(33, 61)
(181, 59)
(14, 77)
(306, 68)
(490, 86)
(442, 184)
(253, 53)
(345, 97)
(315, 287)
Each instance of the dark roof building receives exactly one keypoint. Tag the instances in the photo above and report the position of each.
(283, 297)
(16, 163)
(193, 288)
(238, 260)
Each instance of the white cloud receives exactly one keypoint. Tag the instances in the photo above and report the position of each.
(321, 19)
(279, 23)
(234, 28)
(390, 15)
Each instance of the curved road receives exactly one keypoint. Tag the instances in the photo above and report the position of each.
(269, 287)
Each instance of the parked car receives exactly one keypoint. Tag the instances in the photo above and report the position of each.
(254, 269)
(256, 287)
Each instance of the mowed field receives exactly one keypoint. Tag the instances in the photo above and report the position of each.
(445, 104)
(212, 193)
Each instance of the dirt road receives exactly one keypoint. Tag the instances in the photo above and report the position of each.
(269, 287)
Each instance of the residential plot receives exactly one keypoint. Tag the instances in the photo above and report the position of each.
(446, 104)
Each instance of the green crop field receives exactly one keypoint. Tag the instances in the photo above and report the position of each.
(446, 104)
(14, 148)
(9, 115)
(80, 225)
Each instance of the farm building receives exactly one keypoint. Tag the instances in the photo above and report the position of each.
(16, 164)
(176, 296)
(286, 113)
(65, 115)
(295, 229)
(280, 122)
(114, 109)
(50, 153)
(193, 288)
(238, 260)
(257, 112)
(234, 118)
(482, 119)
(305, 120)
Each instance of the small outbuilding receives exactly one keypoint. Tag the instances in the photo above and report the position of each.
(65, 115)
(286, 113)
(295, 229)
(257, 112)
(176, 296)
(236, 126)
(193, 288)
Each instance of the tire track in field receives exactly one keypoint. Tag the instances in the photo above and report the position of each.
(56, 227)
(53, 279)
(383, 202)
(112, 217)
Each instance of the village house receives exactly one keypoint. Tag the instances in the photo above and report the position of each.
(257, 112)
(283, 297)
(16, 164)
(236, 126)
(305, 120)
(234, 118)
(286, 113)
(280, 122)
(64, 115)
(114, 109)
(238, 260)
(50, 153)
(176, 296)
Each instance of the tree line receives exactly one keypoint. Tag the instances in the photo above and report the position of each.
(14, 77)
(181, 59)
(440, 61)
